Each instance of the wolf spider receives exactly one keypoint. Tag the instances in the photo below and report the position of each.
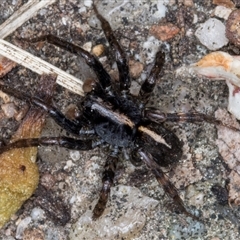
(112, 116)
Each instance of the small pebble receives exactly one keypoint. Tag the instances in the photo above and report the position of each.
(212, 34)
(82, 10)
(164, 32)
(222, 12)
(136, 69)
(69, 164)
(37, 214)
(87, 46)
(98, 50)
(9, 109)
(48, 180)
(75, 155)
(22, 226)
(232, 27)
(4, 97)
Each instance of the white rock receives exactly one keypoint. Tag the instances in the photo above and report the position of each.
(37, 214)
(75, 155)
(222, 12)
(87, 46)
(88, 3)
(212, 34)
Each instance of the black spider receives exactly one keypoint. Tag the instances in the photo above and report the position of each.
(110, 115)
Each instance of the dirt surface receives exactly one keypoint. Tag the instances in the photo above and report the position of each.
(70, 180)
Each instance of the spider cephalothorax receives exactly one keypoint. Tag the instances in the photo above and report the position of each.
(112, 116)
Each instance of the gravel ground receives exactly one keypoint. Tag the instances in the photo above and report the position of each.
(138, 209)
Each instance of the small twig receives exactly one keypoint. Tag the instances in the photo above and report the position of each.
(26, 59)
(23, 14)
(39, 66)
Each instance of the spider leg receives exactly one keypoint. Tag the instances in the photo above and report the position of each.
(65, 142)
(149, 84)
(193, 117)
(69, 125)
(107, 182)
(92, 61)
(168, 187)
(120, 55)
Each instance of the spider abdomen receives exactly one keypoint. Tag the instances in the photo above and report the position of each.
(164, 146)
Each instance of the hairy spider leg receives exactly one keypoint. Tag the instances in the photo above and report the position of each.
(162, 179)
(69, 125)
(120, 55)
(102, 75)
(149, 84)
(65, 142)
(107, 182)
(157, 116)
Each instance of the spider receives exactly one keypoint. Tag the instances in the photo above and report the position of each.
(112, 116)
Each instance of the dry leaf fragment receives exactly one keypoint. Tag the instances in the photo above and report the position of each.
(222, 66)
(18, 171)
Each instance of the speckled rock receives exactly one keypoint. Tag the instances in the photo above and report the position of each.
(229, 149)
(123, 226)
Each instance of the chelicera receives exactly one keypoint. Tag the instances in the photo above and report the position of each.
(112, 116)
